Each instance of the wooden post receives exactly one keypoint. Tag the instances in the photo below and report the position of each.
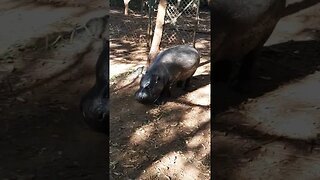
(126, 6)
(158, 30)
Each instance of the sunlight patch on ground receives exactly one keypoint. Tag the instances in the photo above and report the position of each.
(292, 111)
(52, 19)
(196, 117)
(117, 69)
(142, 134)
(201, 45)
(293, 27)
(126, 56)
(200, 96)
(201, 142)
(172, 162)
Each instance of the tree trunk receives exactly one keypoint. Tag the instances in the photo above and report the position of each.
(126, 6)
(154, 50)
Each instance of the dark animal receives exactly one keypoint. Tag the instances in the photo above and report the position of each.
(174, 65)
(94, 104)
(240, 29)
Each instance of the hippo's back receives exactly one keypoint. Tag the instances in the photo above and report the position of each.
(183, 56)
(240, 26)
(176, 63)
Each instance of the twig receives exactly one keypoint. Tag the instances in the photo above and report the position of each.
(88, 31)
(58, 38)
(72, 35)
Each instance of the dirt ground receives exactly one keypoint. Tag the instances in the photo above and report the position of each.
(43, 135)
(272, 132)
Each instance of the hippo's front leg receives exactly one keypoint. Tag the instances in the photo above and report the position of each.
(165, 94)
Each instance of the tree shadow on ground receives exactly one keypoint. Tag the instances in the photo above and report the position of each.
(43, 127)
(276, 65)
(41, 134)
(37, 58)
(129, 117)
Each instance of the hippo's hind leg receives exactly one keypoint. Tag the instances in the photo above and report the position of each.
(245, 72)
(184, 84)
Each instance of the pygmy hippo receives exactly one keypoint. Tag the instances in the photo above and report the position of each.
(175, 65)
(94, 104)
(240, 29)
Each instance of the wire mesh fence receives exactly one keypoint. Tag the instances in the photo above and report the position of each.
(181, 22)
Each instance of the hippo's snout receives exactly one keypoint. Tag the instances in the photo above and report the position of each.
(95, 112)
(143, 97)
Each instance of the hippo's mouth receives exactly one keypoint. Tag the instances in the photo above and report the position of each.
(146, 98)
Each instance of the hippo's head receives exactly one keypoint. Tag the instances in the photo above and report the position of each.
(151, 86)
(94, 104)
(94, 108)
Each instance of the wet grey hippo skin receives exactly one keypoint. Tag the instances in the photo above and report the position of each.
(240, 28)
(94, 104)
(173, 65)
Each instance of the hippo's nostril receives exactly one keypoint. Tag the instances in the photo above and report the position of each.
(141, 96)
(138, 95)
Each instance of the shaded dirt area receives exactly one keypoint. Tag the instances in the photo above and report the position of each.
(43, 75)
(171, 141)
(272, 131)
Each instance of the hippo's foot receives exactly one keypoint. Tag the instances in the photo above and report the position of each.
(165, 94)
(160, 101)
